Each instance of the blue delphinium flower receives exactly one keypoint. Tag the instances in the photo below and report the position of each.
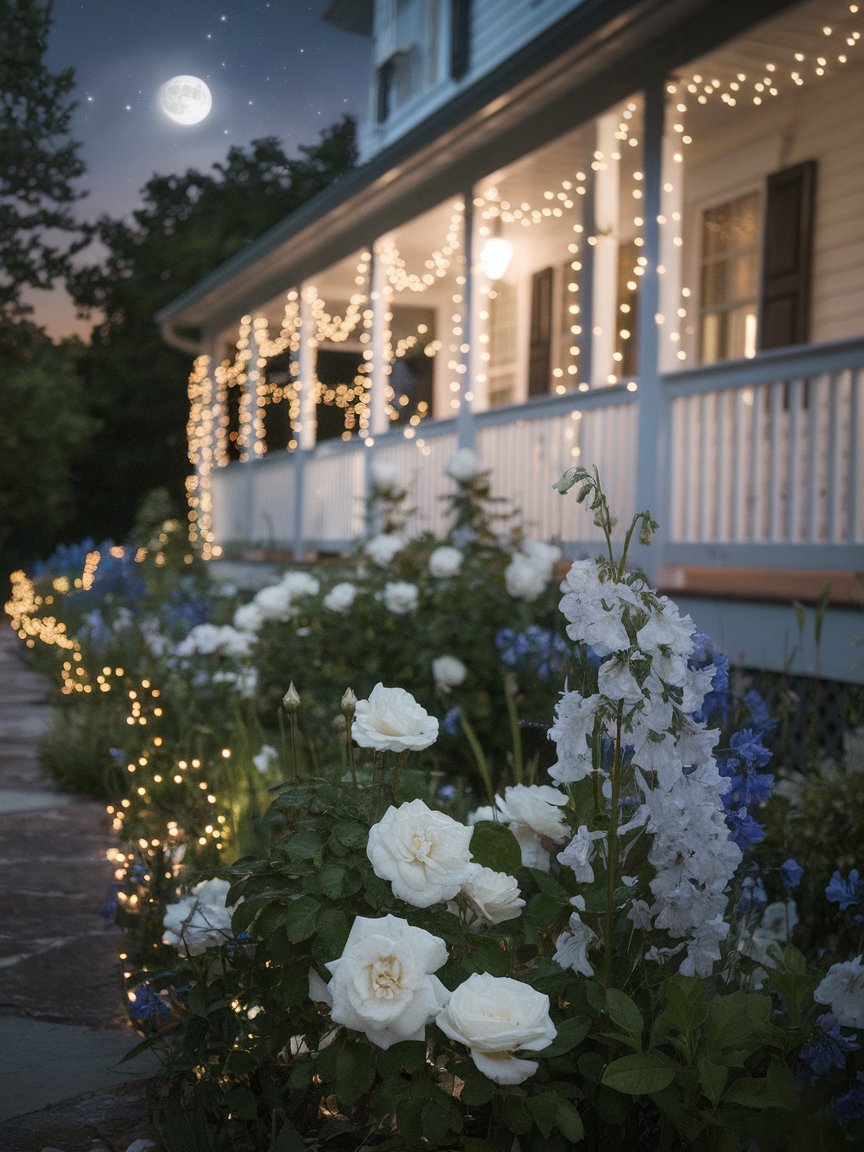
(850, 1106)
(760, 717)
(748, 745)
(717, 699)
(827, 1050)
(753, 894)
(536, 651)
(791, 873)
(843, 892)
(148, 1005)
(450, 723)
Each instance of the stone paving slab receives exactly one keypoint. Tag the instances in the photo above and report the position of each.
(63, 1023)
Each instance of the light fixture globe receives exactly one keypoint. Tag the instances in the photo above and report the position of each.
(495, 257)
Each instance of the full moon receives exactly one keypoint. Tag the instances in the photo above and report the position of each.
(186, 99)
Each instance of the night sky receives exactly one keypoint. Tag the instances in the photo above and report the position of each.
(274, 69)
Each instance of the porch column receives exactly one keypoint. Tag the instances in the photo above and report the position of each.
(604, 228)
(465, 359)
(380, 300)
(248, 412)
(306, 425)
(204, 447)
(652, 480)
(671, 252)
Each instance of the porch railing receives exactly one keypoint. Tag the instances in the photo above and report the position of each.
(767, 459)
(762, 464)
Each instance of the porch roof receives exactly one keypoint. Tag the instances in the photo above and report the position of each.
(599, 53)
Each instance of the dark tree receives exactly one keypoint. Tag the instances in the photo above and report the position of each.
(187, 226)
(39, 162)
(43, 431)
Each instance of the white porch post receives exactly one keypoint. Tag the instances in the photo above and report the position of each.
(248, 423)
(306, 428)
(652, 482)
(605, 229)
(379, 298)
(465, 414)
(671, 251)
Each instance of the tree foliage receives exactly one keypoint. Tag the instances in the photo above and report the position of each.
(187, 225)
(42, 433)
(39, 161)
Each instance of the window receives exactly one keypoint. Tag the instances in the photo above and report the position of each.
(460, 38)
(729, 279)
(501, 372)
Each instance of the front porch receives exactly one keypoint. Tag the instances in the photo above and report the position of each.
(680, 305)
(759, 486)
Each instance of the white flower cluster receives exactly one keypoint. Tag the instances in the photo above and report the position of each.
(279, 601)
(464, 466)
(341, 597)
(387, 478)
(530, 569)
(218, 640)
(382, 548)
(384, 983)
(534, 814)
(643, 644)
(200, 920)
(448, 672)
(445, 562)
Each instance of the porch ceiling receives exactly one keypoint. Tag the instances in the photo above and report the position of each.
(401, 197)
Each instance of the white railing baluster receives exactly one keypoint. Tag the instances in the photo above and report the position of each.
(793, 473)
(856, 385)
(832, 451)
(776, 466)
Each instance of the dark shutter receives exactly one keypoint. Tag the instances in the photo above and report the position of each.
(460, 37)
(540, 347)
(384, 90)
(787, 256)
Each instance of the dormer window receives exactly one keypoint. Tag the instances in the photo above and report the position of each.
(398, 79)
(460, 38)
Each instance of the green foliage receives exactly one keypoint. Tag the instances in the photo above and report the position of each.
(39, 162)
(43, 434)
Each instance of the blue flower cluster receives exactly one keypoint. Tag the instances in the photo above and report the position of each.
(828, 1049)
(148, 1006)
(845, 893)
(850, 1106)
(536, 651)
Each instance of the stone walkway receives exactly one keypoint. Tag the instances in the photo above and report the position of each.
(63, 1027)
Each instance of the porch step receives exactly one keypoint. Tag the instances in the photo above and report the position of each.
(771, 584)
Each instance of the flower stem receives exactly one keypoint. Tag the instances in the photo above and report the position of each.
(515, 731)
(612, 848)
(479, 755)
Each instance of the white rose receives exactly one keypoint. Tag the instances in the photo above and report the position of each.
(494, 1017)
(464, 465)
(524, 578)
(388, 478)
(300, 584)
(400, 597)
(383, 547)
(538, 806)
(383, 984)
(843, 990)
(340, 597)
(274, 602)
(249, 618)
(449, 672)
(264, 757)
(424, 854)
(391, 720)
(200, 920)
(544, 555)
(493, 896)
(445, 562)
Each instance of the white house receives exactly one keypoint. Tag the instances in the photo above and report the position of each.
(627, 233)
